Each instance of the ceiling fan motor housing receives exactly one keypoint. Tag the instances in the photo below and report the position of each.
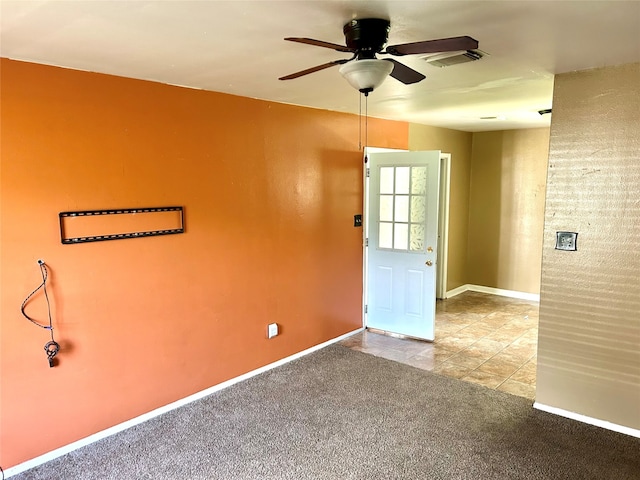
(367, 36)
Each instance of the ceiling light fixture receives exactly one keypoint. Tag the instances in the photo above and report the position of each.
(366, 75)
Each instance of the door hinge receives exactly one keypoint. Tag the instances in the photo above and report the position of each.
(366, 242)
(366, 309)
(368, 172)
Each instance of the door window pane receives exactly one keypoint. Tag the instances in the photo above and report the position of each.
(385, 237)
(402, 208)
(400, 236)
(386, 208)
(416, 243)
(386, 180)
(402, 180)
(417, 209)
(418, 180)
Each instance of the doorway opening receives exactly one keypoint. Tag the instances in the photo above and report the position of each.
(483, 338)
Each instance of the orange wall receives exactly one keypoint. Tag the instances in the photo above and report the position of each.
(269, 193)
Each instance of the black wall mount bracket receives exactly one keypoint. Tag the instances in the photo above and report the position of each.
(174, 224)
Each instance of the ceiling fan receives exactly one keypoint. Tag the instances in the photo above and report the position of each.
(367, 37)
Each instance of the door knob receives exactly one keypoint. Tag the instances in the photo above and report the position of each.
(428, 263)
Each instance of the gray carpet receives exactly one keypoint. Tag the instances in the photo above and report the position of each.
(341, 414)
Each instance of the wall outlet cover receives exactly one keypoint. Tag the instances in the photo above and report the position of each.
(567, 241)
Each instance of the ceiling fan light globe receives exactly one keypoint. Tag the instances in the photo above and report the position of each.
(366, 75)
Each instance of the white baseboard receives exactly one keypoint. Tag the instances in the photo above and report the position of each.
(58, 452)
(493, 291)
(456, 291)
(590, 420)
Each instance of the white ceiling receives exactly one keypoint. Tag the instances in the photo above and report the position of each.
(237, 47)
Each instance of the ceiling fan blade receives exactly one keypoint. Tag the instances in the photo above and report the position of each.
(320, 43)
(313, 69)
(404, 74)
(434, 46)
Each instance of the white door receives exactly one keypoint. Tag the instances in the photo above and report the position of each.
(402, 226)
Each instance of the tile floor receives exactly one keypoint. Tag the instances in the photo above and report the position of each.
(481, 338)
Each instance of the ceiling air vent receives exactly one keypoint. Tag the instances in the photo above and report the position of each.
(454, 58)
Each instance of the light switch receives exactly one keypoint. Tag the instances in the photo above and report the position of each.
(272, 330)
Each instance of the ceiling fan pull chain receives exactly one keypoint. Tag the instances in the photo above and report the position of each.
(366, 119)
(359, 122)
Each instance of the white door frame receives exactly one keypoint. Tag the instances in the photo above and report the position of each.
(443, 226)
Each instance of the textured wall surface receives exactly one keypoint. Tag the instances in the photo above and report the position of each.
(458, 144)
(589, 332)
(269, 192)
(506, 208)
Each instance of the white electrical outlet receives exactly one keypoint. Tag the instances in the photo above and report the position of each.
(272, 330)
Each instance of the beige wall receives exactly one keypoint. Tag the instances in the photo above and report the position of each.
(506, 208)
(458, 144)
(589, 344)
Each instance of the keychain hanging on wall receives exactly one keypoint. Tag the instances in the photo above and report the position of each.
(51, 348)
